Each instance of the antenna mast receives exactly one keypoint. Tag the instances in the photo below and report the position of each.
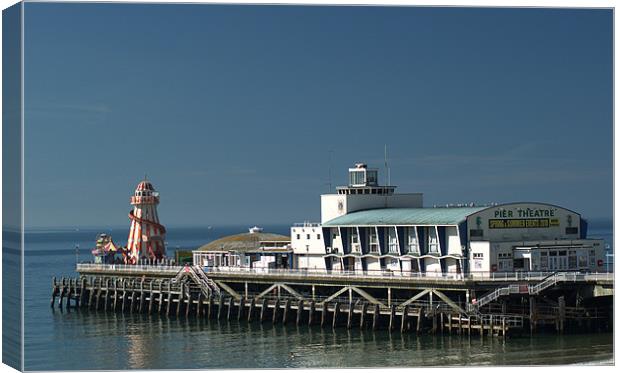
(387, 167)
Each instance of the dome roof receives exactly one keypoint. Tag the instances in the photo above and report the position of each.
(246, 242)
(145, 185)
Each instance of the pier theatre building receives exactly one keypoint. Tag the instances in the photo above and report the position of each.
(366, 227)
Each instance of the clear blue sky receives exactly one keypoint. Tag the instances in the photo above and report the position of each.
(232, 111)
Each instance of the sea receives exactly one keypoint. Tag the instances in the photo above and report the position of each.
(94, 340)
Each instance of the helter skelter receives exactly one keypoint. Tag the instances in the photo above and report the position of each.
(146, 235)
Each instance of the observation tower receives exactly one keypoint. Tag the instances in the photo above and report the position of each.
(146, 235)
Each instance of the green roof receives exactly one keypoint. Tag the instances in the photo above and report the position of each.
(405, 216)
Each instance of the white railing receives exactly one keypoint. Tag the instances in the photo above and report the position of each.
(129, 267)
(478, 276)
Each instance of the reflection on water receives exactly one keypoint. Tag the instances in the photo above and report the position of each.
(116, 341)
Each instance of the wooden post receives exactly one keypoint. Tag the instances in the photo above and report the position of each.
(375, 317)
(311, 313)
(481, 328)
(54, 292)
(263, 309)
(441, 322)
(287, 310)
(504, 327)
(231, 303)
(418, 324)
(251, 310)
(188, 304)
(336, 310)
(300, 309)
(219, 308)
(392, 315)
(434, 330)
(350, 315)
(450, 323)
(313, 292)
(169, 302)
(124, 297)
(323, 314)
(389, 297)
(241, 307)
(403, 320)
(561, 313)
(151, 296)
(179, 302)
(199, 305)
(363, 315)
(246, 289)
(69, 291)
(275, 311)
(458, 331)
(210, 307)
(469, 326)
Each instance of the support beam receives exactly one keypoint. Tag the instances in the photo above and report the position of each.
(367, 296)
(414, 298)
(336, 294)
(266, 291)
(292, 291)
(229, 290)
(448, 301)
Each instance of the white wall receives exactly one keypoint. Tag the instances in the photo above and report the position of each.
(527, 212)
(310, 240)
(330, 203)
(483, 264)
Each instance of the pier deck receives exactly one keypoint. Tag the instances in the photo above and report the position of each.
(509, 303)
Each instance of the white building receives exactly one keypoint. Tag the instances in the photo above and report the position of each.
(366, 227)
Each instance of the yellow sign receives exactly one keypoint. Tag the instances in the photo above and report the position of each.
(522, 223)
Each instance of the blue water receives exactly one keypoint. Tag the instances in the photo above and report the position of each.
(83, 340)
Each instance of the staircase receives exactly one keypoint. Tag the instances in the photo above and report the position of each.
(546, 283)
(204, 283)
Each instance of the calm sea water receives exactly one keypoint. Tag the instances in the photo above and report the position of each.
(84, 340)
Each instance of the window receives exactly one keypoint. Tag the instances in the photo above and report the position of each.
(478, 255)
(475, 232)
(318, 236)
(571, 230)
(298, 236)
(308, 236)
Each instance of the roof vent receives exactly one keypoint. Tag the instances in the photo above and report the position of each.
(256, 229)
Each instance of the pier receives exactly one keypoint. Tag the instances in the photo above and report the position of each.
(498, 305)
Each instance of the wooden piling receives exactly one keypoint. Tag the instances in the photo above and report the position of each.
(219, 308)
(231, 303)
(418, 323)
(276, 306)
(263, 310)
(251, 310)
(199, 305)
(450, 316)
(335, 318)
(375, 317)
(363, 315)
(350, 316)
(210, 308)
(441, 322)
(179, 302)
(311, 313)
(403, 319)
(287, 309)
(241, 307)
(188, 304)
(300, 310)
(323, 314)
(169, 303)
(54, 292)
(392, 316)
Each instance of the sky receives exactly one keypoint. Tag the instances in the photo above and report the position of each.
(237, 114)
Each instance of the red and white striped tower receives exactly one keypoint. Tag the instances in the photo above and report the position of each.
(146, 235)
